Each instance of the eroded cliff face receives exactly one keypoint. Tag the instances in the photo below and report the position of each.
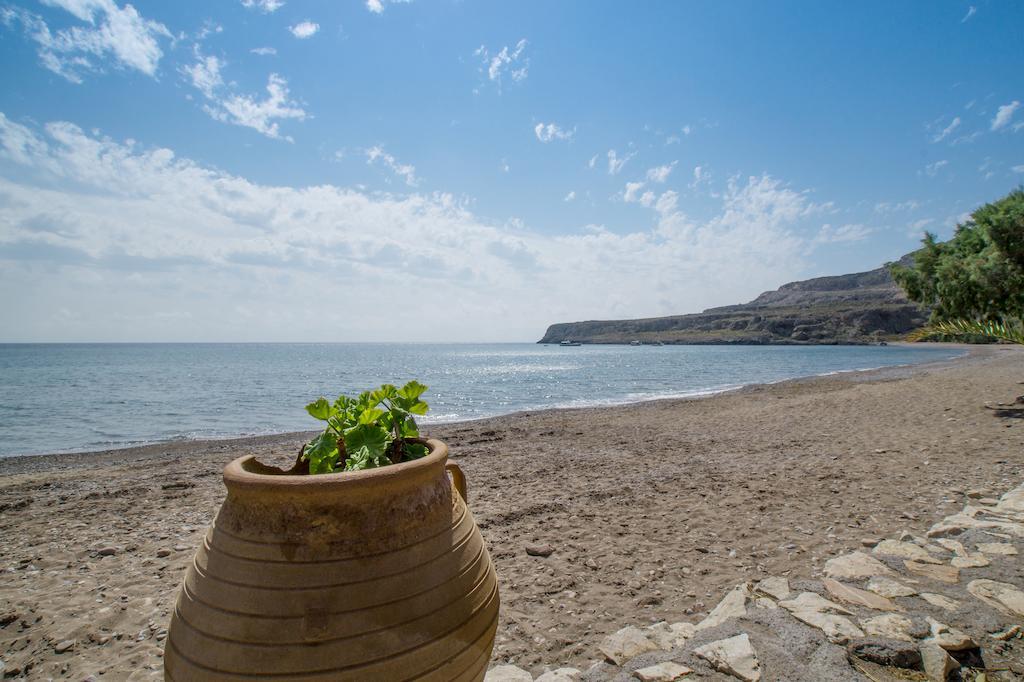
(862, 307)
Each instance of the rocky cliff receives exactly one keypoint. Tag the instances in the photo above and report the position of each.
(862, 307)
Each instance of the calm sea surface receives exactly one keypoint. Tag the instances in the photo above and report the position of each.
(60, 398)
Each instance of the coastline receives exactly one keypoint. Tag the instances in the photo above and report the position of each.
(699, 394)
(654, 509)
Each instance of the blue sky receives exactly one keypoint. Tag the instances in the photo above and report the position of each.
(461, 170)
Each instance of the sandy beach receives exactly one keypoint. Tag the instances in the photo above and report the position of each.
(653, 509)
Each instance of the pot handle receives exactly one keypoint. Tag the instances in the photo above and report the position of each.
(459, 479)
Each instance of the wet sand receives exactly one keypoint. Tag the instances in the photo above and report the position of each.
(653, 510)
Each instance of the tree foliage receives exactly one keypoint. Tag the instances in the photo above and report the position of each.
(979, 273)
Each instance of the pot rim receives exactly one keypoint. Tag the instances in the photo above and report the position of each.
(238, 474)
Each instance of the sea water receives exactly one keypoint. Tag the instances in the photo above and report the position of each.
(75, 397)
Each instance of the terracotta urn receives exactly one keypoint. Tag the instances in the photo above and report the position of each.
(369, 575)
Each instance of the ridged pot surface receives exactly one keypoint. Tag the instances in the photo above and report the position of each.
(370, 575)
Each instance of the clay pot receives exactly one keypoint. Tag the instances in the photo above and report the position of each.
(370, 575)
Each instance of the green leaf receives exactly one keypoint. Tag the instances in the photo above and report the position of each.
(322, 453)
(373, 437)
(386, 392)
(415, 450)
(409, 429)
(320, 409)
(370, 416)
(412, 390)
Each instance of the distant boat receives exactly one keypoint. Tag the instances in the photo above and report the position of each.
(635, 343)
(658, 343)
(570, 342)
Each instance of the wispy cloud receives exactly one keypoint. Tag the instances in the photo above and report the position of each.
(116, 35)
(971, 11)
(844, 233)
(593, 161)
(209, 243)
(507, 61)
(1018, 169)
(947, 131)
(304, 29)
(266, 6)
(1004, 114)
(264, 51)
(546, 132)
(616, 162)
(262, 115)
(892, 207)
(571, 196)
(377, 155)
(932, 169)
(916, 229)
(377, 6)
(660, 173)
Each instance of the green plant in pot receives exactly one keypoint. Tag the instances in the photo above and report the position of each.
(374, 429)
(362, 562)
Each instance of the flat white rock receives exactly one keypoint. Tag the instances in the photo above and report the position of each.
(891, 625)
(859, 597)
(854, 566)
(938, 664)
(976, 560)
(1003, 596)
(949, 638)
(627, 643)
(997, 548)
(560, 675)
(819, 612)
(939, 600)
(507, 673)
(887, 587)
(668, 636)
(733, 605)
(663, 672)
(904, 550)
(734, 656)
(776, 587)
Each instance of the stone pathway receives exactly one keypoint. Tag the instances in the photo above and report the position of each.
(946, 606)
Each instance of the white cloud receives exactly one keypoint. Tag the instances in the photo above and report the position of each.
(845, 233)
(971, 11)
(593, 161)
(932, 169)
(661, 173)
(264, 51)
(890, 207)
(571, 196)
(244, 110)
(266, 6)
(118, 35)
(304, 29)
(377, 6)
(615, 163)
(510, 61)
(205, 74)
(405, 171)
(1018, 169)
(220, 257)
(630, 194)
(551, 131)
(945, 132)
(672, 139)
(1004, 114)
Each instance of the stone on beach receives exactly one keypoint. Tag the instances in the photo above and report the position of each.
(854, 566)
(970, 561)
(819, 612)
(1012, 500)
(734, 656)
(507, 673)
(940, 601)
(733, 605)
(887, 587)
(997, 548)
(937, 662)
(887, 652)
(944, 574)
(1003, 596)
(560, 675)
(663, 672)
(540, 550)
(853, 595)
(949, 638)
(904, 550)
(668, 636)
(776, 587)
(627, 643)
(890, 625)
